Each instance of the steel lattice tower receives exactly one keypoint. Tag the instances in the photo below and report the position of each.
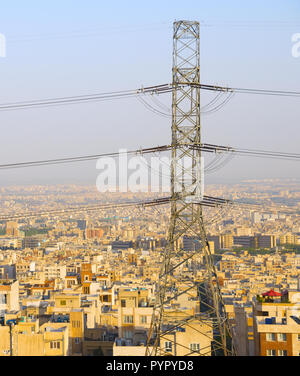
(209, 317)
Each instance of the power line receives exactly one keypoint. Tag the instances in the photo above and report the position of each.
(96, 31)
(111, 30)
(88, 209)
(82, 158)
(205, 110)
(250, 91)
(157, 89)
(209, 148)
(253, 152)
(207, 201)
(97, 97)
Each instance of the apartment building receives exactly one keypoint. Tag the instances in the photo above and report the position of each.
(277, 328)
(8, 271)
(134, 314)
(9, 296)
(269, 326)
(192, 338)
(55, 271)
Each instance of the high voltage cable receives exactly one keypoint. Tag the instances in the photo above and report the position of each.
(208, 201)
(219, 150)
(94, 32)
(205, 110)
(83, 158)
(249, 91)
(87, 208)
(157, 89)
(253, 152)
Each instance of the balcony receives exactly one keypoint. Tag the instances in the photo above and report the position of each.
(272, 321)
(123, 342)
(60, 319)
(103, 338)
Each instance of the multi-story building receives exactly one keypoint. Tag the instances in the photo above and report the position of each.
(258, 241)
(192, 338)
(55, 271)
(9, 296)
(8, 271)
(134, 314)
(12, 228)
(94, 233)
(271, 327)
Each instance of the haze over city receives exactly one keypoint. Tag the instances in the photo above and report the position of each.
(73, 48)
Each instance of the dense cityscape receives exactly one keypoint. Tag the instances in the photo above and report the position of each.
(149, 189)
(84, 283)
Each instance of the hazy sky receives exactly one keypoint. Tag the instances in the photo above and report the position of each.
(71, 47)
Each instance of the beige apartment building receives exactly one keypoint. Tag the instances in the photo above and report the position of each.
(9, 296)
(134, 315)
(28, 339)
(268, 328)
(193, 338)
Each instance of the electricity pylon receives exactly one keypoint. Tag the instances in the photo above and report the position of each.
(191, 274)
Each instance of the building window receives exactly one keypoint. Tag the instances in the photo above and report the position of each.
(281, 337)
(3, 299)
(298, 337)
(123, 303)
(282, 352)
(143, 319)
(271, 352)
(195, 347)
(63, 302)
(128, 334)
(77, 341)
(270, 337)
(168, 346)
(128, 319)
(54, 345)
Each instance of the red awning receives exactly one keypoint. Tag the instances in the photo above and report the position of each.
(271, 293)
